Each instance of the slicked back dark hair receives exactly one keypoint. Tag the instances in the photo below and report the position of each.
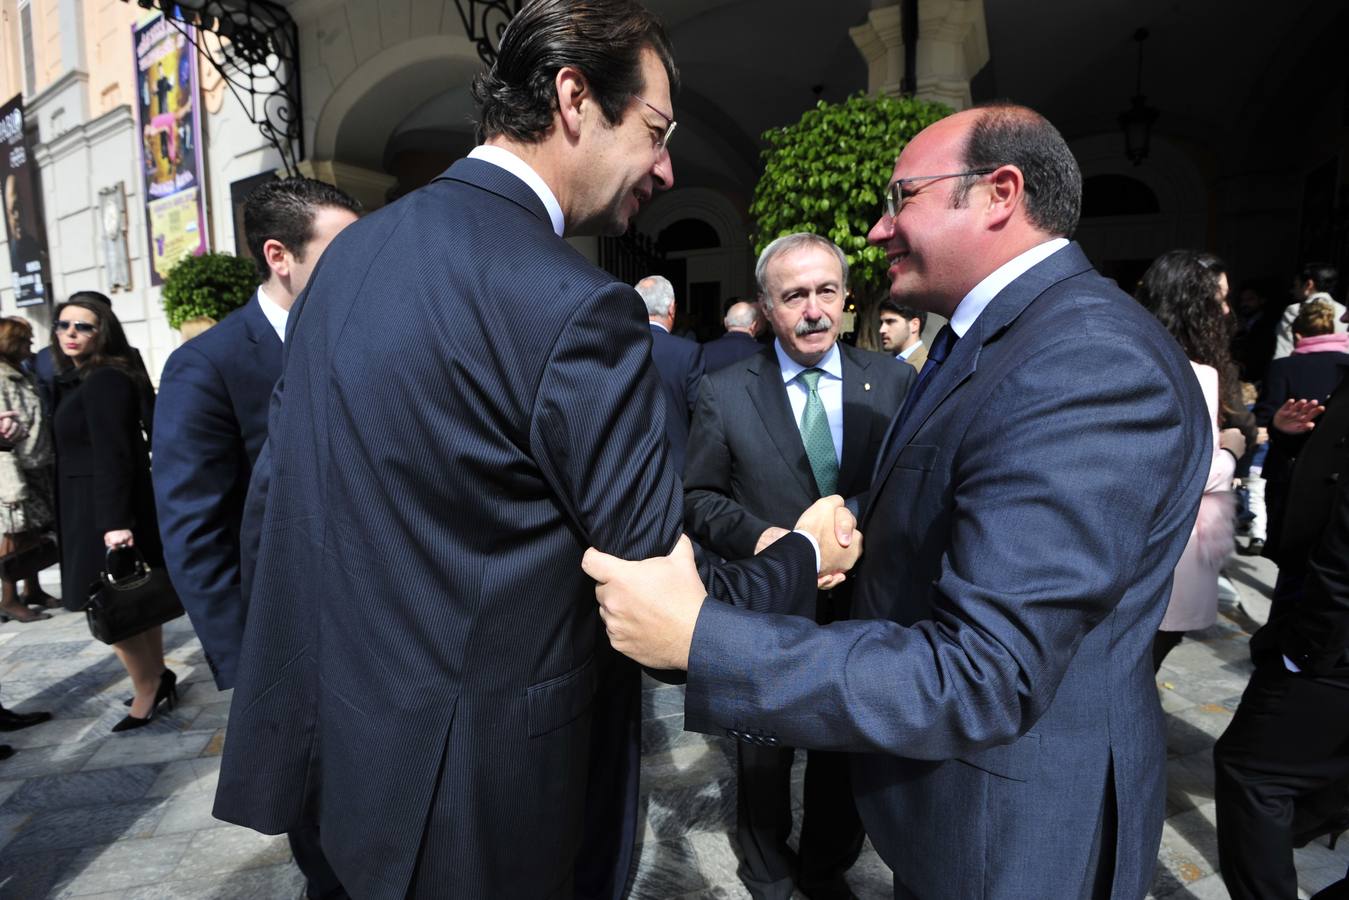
(1325, 276)
(1008, 134)
(284, 211)
(905, 312)
(604, 39)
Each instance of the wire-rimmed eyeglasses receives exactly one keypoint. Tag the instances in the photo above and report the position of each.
(894, 194)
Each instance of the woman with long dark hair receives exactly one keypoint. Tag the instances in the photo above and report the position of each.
(103, 470)
(1187, 292)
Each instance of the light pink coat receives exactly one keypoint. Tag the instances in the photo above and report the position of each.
(1194, 594)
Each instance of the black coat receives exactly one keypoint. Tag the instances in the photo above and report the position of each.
(679, 363)
(103, 475)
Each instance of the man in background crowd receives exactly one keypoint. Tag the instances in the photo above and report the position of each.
(902, 332)
(1316, 281)
(742, 323)
(679, 362)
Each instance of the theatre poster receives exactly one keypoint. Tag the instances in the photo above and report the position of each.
(168, 122)
(19, 190)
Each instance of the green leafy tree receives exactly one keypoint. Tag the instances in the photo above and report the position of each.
(827, 174)
(213, 284)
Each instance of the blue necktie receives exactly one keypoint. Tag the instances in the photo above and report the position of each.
(817, 436)
(941, 348)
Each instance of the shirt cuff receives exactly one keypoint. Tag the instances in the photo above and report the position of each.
(1291, 666)
(814, 545)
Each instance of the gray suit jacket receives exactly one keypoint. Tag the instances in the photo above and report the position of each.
(996, 683)
(747, 468)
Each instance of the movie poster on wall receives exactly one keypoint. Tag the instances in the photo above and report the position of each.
(168, 120)
(27, 241)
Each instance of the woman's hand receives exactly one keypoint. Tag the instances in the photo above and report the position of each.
(1297, 416)
(120, 537)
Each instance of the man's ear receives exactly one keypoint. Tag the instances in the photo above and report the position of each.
(1008, 192)
(572, 93)
(278, 258)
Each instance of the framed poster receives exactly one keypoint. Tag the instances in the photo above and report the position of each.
(19, 190)
(168, 121)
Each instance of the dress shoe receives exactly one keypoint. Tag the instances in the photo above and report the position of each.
(167, 693)
(13, 721)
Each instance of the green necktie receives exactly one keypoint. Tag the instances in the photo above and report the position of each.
(817, 437)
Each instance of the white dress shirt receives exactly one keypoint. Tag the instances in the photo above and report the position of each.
(905, 354)
(830, 388)
(984, 292)
(507, 160)
(276, 316)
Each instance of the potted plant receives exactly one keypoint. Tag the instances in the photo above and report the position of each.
(827, 173)
(201, 290)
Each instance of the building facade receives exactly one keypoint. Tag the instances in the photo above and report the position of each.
(1247, 155)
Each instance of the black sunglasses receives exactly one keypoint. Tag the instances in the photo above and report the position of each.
(81, 327)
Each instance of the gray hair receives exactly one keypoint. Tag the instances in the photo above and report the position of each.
(787, 244)
(657, 293)
(741, 315)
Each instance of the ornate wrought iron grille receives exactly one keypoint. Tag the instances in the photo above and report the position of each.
(257, 53)
(485, 21)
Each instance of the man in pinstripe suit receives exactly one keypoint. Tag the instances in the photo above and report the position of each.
(422, 652)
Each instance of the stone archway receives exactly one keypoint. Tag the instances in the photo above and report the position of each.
(1122, 246)
(358, 118)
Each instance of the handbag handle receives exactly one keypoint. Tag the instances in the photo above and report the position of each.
(135, 579)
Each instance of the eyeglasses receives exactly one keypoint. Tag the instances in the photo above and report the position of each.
(894, 196)
(664, 140)
(81, 327)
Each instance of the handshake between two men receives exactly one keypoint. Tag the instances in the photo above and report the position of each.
(650, 607)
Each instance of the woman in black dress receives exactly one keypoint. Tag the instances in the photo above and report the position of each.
(104, 495)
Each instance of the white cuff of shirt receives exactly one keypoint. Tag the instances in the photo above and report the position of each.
(1290, 665)
(814, 545)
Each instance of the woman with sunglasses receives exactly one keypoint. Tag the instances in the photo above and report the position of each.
(103, 478)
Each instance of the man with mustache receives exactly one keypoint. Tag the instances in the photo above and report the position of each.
(799, 420)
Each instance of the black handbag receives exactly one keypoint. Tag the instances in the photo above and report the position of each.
(26, 563)
(129, 597)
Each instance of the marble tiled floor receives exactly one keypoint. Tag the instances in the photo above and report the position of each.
(84, 813)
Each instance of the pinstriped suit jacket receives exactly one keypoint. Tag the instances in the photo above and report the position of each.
(467, 404)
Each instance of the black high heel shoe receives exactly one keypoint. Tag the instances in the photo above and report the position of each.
(167, 694)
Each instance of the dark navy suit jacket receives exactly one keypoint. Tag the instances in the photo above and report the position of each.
(731, 347)
(996, 687)
(679, 363)
(419, 652)
(210, 427)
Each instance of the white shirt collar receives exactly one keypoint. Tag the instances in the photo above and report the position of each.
(276, 316)
(831, 363)
(983, 293)
(499, 156)
(905, 354)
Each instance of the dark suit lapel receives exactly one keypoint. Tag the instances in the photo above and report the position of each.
(996, 318)
(857, 416)
(264, 345)
(769, 396)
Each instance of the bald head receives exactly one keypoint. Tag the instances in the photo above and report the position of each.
(742, 317)
(978, 189)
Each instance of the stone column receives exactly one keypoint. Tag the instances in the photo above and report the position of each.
(952, 48)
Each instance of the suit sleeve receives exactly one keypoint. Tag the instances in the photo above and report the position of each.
(598, 436)
(1055, 489)
(711, 515)
(199, 460)
(113, 413)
